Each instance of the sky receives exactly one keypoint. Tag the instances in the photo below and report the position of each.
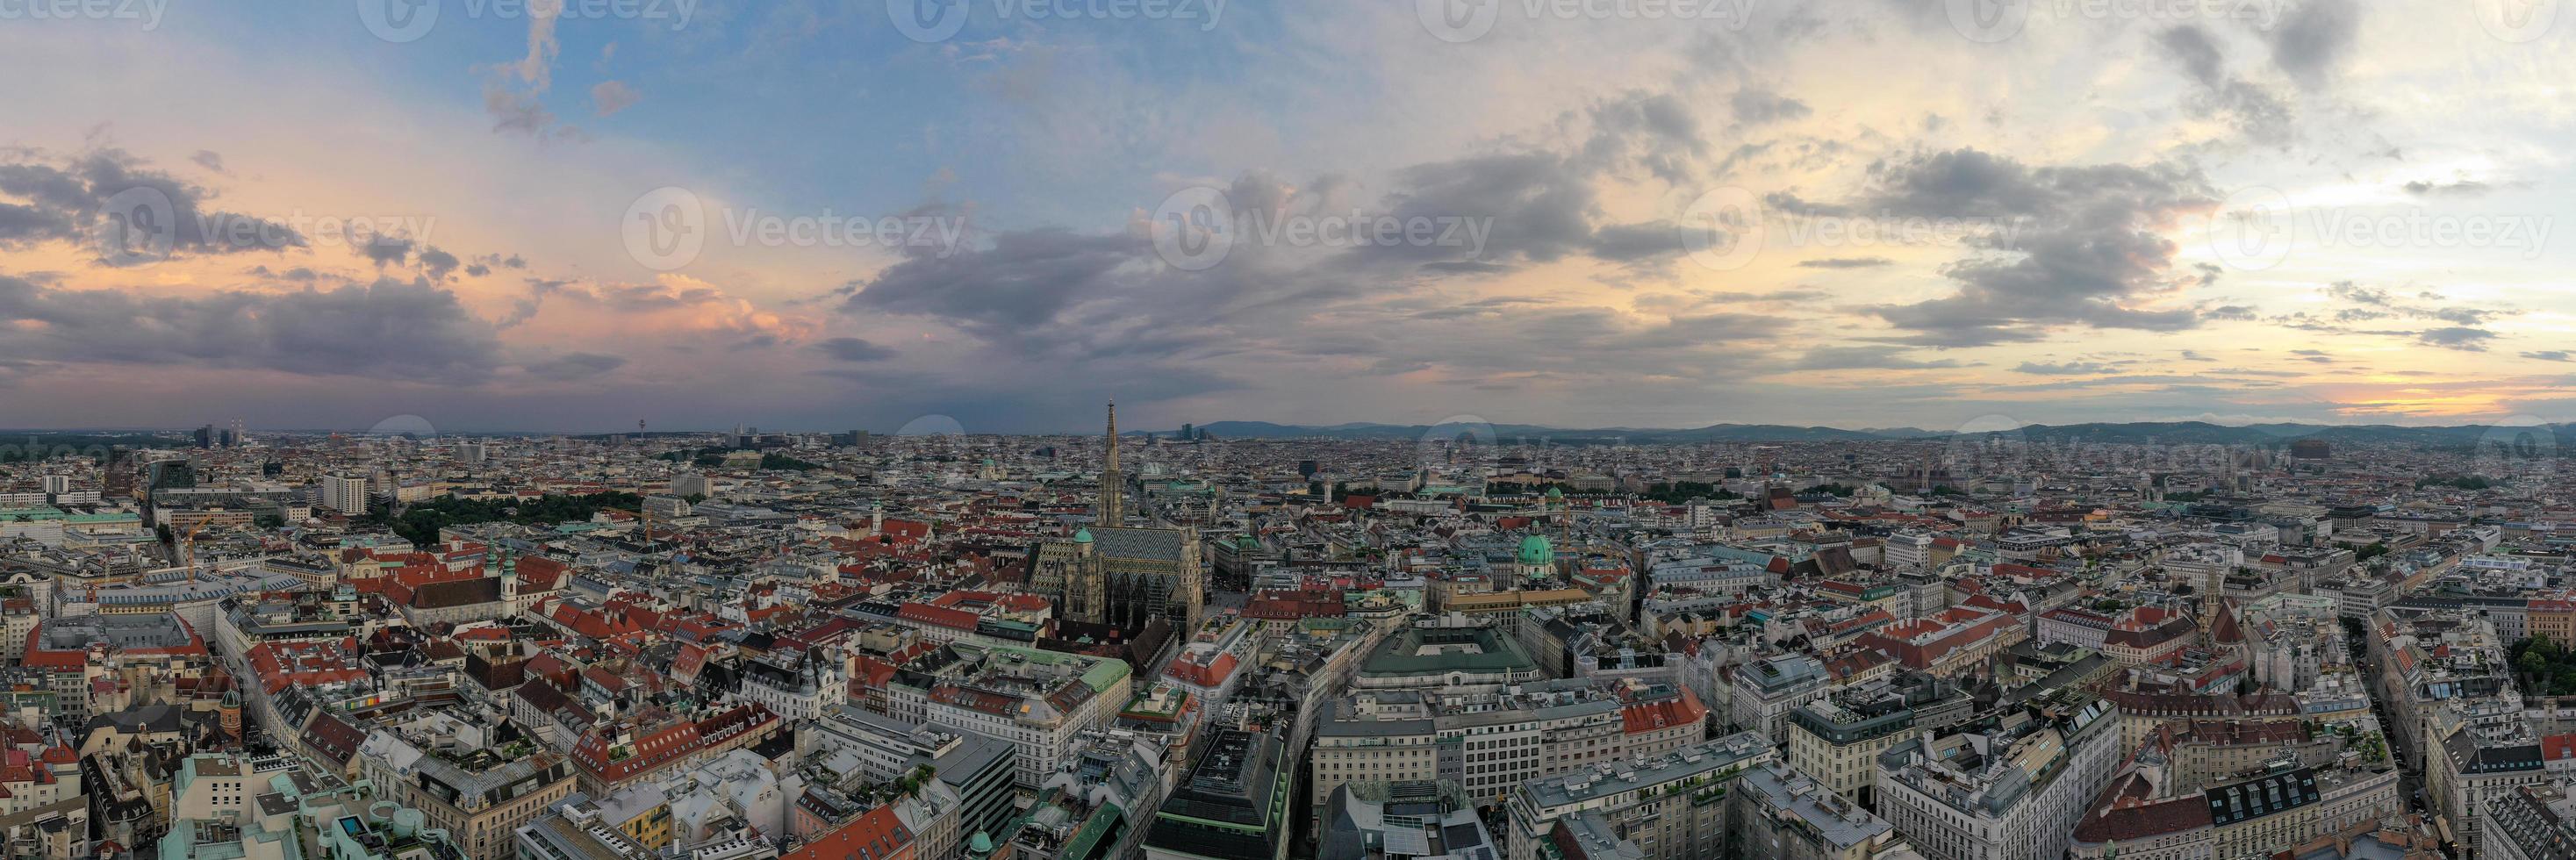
(995, 215)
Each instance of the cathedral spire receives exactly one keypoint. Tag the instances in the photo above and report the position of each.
(1113, 483)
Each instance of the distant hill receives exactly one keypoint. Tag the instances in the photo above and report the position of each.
(2563, 436)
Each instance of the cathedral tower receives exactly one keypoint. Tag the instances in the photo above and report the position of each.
(1113, 483)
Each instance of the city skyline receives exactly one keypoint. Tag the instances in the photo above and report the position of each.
(821, 216)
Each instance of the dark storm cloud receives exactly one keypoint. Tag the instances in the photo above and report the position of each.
(388, 329)
(1756, 107)
(68, 200)
(386, 250)
(2252, 109)
(2464, 338)
(1541, 205)
(437, 264)
(2090, 244)
(1623, 243)
(578, 365)
(1024, 279)
(853, 350)
(2191, 46)
(2311, 40)
(1655, 133)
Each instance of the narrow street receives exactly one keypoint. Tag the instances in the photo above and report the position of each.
(2410, 774)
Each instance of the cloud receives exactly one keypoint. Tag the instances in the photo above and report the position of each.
(609, 97)
(1757, 107)
(2357, 294)
(386, 250)
(673, 303)
(1024, 279)
(2549, 355)
(388, 329)
(70, 198)
(2462, 338)
(2070, 368)
(514, 92)
(1866, 357)
(578, 365)
(853, 350)
(1846, 263)
(2458, 188)
(2256, 112)
(2312, 39)
(209, 160)
(2090, 245)
(437, 264)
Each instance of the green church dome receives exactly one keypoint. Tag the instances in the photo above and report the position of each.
(1536, 550)
(1082, 536)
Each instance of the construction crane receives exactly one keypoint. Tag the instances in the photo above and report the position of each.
(188, 547)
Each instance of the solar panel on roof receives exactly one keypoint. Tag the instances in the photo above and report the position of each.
(1408, 842)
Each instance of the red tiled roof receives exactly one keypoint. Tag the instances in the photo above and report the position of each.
(1682, 710)
(954, 619)
(878, 833)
